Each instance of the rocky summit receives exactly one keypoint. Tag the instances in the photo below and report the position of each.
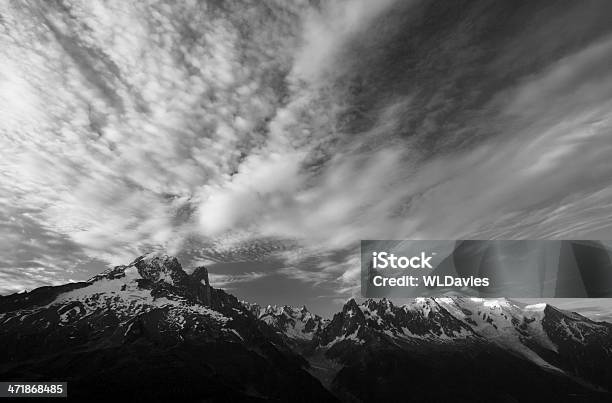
(150, 331)
(511, 352)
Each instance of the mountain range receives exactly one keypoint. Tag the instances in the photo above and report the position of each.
(150, 331)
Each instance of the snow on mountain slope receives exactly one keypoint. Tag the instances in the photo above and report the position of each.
(295, 323)
(503, 323)
(133, 330)
(154, 302)
(380, 321)
(540, 334)
(116, 299)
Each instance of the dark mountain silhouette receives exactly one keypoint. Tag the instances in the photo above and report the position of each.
(149, 331)
(452, 349)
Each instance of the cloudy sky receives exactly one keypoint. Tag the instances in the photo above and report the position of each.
(264, 139)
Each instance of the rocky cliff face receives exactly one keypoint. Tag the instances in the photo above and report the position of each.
(164, 276)
(149, 331)
(445, 344)
(294, 323)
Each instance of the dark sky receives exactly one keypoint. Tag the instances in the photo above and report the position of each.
(265, 139)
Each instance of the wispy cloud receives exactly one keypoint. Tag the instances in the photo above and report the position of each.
(110, 132)
(291, 131)
(228, 281)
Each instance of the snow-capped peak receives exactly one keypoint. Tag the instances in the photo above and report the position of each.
(295, 323)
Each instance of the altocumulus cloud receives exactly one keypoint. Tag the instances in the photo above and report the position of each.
(240, 130)
(115, 116)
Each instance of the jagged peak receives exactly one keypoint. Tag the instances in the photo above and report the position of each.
(286, 310)
(155, 258)
(274, 309)
(376, 304)
(551, 311)
(351, 309)
(278, 310)
(163, 275)
(200, 273)
(160, 268)
(351, 304)
(150, 266)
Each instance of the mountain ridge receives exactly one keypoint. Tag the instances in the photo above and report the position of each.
(150, 331)
(152, 303)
